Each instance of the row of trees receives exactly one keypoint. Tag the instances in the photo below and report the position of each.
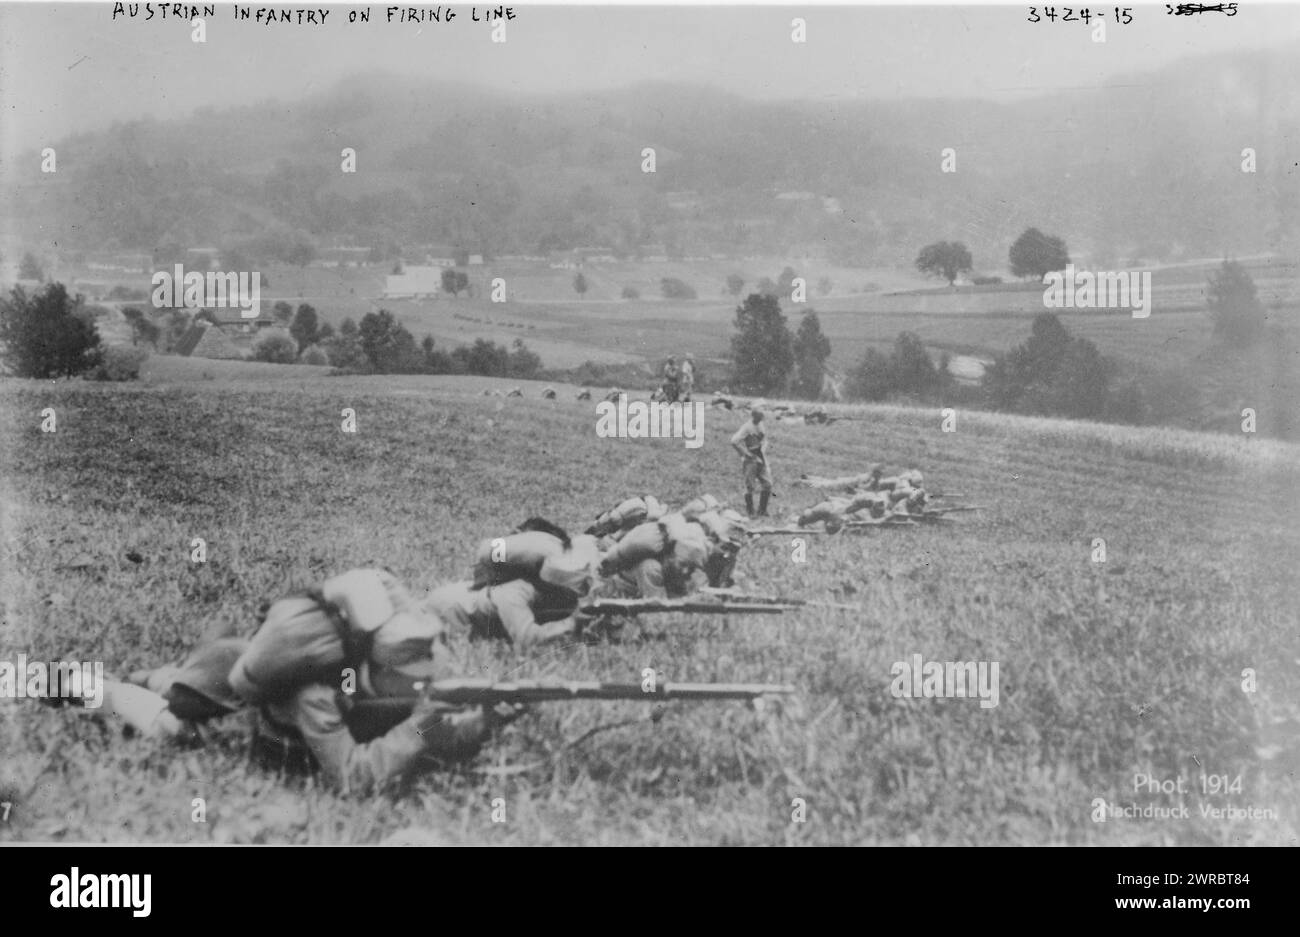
(380, 344)
(1034, 254)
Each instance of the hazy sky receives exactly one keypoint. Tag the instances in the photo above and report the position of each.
(66, 66)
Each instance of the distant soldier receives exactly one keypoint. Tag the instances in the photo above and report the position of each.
(515, 392)
(751, 442)
(672, 379)
(687, 377)
(584, 394)
(867, 481)
(614, 394)
(549, 393)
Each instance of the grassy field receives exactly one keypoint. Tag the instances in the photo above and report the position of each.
(1108, 670)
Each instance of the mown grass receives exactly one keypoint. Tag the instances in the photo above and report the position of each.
(1107, 669)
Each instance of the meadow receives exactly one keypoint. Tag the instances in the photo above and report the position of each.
(1109, 670)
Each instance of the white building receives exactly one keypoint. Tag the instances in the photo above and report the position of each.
(414, 282)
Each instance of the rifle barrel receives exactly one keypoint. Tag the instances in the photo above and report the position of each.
(646, 606)
(486, 692)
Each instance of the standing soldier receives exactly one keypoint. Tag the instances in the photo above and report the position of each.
(688, 377)
(672, 376)
(751, 442)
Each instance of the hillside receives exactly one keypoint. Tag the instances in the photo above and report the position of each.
(462, 166)
(1108, 669)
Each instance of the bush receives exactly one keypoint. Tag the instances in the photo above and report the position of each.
(121, 363)
(631, 292)
(313, 354)
(674, 288)
(986, 281)
(276, 349)
(1239, 316)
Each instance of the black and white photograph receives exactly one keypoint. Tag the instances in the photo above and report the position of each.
(629, 425)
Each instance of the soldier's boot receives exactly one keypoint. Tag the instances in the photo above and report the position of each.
(762, 503)
(749, 505)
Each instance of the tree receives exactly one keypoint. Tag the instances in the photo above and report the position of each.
(1239, 316)
(910, 369)
(870, 378)
(824, 286)
(735, 283)
(47, 335)
(283, 313)
(454, 282)
(397, 270)
(523, 362)
(1035, 254)
(944, 258)
(388, 346)
(580, 284)
(674, 288)
(811, 349)
(344, 349)
(30, 268)
(276, 348)
(306, 327)
(785, 283)
(766, 287)
(761, 348)
(1052, 373)
(631, 292)
(134, 317)
(1080, 386)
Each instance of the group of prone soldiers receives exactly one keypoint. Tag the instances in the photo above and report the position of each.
(869, 497)
(336, 673)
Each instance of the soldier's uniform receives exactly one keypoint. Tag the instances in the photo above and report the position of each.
(672, 376)
(519, 611)
(366, 622)
(687, 378)
(725, 530)
(751, 440)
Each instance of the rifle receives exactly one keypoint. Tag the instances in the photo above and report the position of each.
(767, 531)
(369, 719)
(889, 520)
(476, 691)
(699, 606)
(937, 514)
(777, 600)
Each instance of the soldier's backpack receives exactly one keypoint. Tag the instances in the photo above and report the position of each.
(671, 539)
(627, 515)
(310, 638)
(517, 556)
